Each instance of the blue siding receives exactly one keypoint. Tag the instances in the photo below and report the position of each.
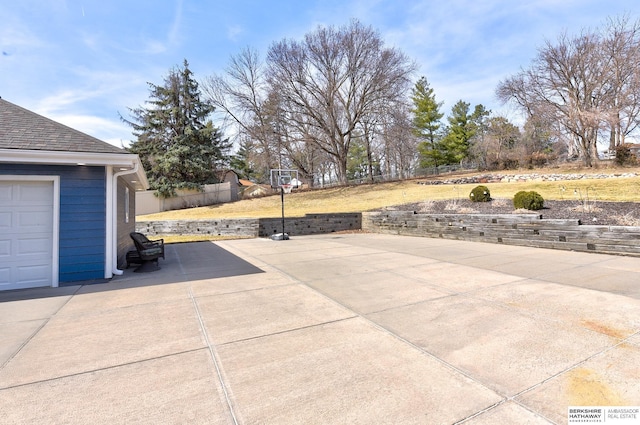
(82, 217)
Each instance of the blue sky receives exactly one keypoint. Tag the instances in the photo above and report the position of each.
(81, 62)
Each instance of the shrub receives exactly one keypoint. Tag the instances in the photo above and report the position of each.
(528, 200)
(504, 164)
(510, 164)
(480, 194)
(539, 159)
(624, 155)
(518, 199)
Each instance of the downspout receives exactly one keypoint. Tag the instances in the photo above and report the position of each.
(114, 218)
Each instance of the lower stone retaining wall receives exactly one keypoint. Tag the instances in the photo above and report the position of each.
(523, 230)
(243, 227)
(510, 229)
(310, 224)
(508, 178)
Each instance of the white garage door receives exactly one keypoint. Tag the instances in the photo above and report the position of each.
(26, 234)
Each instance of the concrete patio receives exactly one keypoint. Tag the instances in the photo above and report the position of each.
(338, 328)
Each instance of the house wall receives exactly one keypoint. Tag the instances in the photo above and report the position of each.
(124, 228)
(82, 217)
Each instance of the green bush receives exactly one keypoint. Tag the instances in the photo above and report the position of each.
(518, 199)
(480, 194)
(624, 156)
(528, 200)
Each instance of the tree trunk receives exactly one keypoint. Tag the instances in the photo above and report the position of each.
(369, 162)
(594, 154)
(612, 138)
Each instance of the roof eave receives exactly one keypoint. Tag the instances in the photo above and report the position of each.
(120, 160)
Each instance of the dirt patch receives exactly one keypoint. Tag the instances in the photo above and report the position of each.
(603, 329)
(586, 388)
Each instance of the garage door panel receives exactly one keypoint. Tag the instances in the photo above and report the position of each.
(5, 277)
(34, 221)
(5, 248)
(34, 194)
(6, 218)
(33, 274)
(6, 192)
(33, 247)
(26, 234)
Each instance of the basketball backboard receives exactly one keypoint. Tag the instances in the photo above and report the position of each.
(282, 177)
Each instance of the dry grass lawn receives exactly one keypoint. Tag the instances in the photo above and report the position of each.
(369, 197)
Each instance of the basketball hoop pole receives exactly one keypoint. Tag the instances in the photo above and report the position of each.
(283, 189)
(282, 179)
(282, 202)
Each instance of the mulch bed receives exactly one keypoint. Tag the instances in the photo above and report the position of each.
(597, 213)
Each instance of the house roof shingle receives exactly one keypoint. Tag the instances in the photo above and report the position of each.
(26, 130)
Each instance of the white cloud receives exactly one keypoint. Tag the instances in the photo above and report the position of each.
(465, 48)
(153, 47)
(18, 36)
(233, 32)
(65, 99)
(110, 131)
(173, 37)
(62, 64)
(93, 106)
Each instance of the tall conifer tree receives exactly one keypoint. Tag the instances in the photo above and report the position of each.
(178, 144)
(461, 130)
(426, 123)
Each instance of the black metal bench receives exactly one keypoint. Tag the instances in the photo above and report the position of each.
(148, 252)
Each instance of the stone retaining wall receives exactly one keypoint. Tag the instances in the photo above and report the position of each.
(506, 178)
(310, 224)
(509, 229)
(243, 227)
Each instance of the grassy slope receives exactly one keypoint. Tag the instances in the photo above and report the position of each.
(369, 197)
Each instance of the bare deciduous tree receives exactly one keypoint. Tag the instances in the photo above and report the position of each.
(585, 85)
(621, 46)
(495, 148)
(242, 95)
(565, 83)
(334, 81)
(399, 142)
(313, 97)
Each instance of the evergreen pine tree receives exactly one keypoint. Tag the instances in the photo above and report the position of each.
(357, 160)
(426, 123)
(177, 143)
(457, 142)
(240, 162)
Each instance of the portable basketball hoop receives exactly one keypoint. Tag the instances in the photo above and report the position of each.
(283, 179)
(280, 177)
